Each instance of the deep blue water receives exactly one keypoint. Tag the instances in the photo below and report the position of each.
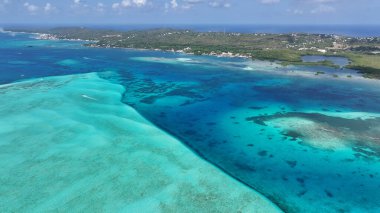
(310, 143)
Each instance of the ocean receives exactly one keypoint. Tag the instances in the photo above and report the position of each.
(308, 142)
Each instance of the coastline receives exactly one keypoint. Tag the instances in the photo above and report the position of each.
(363, 75)
(354, 59)
(224, 45)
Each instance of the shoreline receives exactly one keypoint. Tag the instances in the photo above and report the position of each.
(360, 70)
(92, 44)
(224, 45)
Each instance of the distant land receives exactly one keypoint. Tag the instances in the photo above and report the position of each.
(343, 30)
(286, 48)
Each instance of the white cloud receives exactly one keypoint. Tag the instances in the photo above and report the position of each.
(214, 4)
(115, 5)
(219, 4)
(174, 4)
(188, 4)
(139, 3)
(270, 1)
(314, 7)
(125, 3)
(296, 11)
(31, 7)
(3, 5)
(100, 7)
(129, 3)
(49, 7)
(323, 9)
(79, 5)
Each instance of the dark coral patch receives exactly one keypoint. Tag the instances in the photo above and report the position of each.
(262, 153)
(292, 164)
(257, 107)
(329, 194)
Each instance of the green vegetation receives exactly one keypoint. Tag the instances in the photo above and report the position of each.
(284, 55)
(367, 64)
(319, 73)
(287, 49)
(325, 63)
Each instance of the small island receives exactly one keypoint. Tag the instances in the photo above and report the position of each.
(288, 49)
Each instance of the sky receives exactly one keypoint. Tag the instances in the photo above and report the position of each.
(118, 12)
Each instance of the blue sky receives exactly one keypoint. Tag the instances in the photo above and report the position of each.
(190, 11)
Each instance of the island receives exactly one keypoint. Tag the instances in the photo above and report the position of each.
(287, 49)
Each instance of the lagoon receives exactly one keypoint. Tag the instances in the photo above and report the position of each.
(339, 61)
(306, 142)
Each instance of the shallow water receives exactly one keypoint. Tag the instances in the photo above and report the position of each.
(340, 61)
(70, 144)
(308, 142)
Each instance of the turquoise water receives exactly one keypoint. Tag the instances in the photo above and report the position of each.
(71, 145)
(308, 142)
